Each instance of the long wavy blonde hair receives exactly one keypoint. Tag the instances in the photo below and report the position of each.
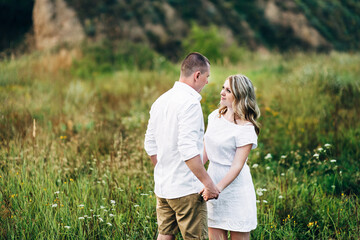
(244, 104)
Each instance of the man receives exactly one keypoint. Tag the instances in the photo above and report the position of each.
(174, 142)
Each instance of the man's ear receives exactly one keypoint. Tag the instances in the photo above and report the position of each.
(197, 75)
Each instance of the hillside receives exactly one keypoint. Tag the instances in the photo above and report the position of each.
(163, 24)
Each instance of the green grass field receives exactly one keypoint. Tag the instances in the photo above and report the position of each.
(72, 164)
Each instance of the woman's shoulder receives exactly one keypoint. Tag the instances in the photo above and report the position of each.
(213, 114)
(248, 129)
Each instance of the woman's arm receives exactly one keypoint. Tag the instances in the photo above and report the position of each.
(205, 157)
(241, 155)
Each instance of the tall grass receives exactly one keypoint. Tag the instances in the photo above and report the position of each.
(79, 170)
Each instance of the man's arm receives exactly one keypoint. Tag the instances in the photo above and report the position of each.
(196, 166)
(190, 125)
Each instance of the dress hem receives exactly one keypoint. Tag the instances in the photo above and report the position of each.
(233, 229)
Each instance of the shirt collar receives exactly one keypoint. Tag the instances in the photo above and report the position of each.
(188, 89)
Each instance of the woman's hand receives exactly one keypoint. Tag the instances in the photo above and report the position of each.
(210, 193)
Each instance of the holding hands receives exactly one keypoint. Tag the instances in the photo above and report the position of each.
(210, 192)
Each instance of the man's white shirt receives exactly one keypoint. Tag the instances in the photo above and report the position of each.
(175, 134)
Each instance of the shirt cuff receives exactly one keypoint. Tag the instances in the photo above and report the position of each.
(187, 154)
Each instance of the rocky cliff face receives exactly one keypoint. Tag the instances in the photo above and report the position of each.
(55, 23)
(163, 24)
(289, 17)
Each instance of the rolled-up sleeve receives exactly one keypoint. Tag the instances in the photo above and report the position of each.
(190, 127)
(150, 141)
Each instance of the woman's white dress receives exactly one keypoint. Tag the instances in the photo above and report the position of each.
(235, 209)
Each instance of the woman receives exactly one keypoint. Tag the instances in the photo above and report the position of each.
(231, 134)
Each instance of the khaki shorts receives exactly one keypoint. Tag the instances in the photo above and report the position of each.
(186, 213)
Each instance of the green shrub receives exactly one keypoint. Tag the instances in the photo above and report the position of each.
(110, 57)
(211, 43)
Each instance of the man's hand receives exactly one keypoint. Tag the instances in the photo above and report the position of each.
(211, 192)
(153, 159)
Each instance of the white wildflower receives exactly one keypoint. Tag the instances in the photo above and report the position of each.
(316, 155)
(282, 174)
(57, 192)
(102, 207)
(81, 205)
(136, 205)
(112, 202)
(327, 145)
(109, 224)
(267, 168)
(281, 197)
(283, 156)
(81, 218)
(100, 219)
(320, 149)
(259, 192)
(54, 205)
(333, 186)
(67, 227)
(111, 215)
(264, 201)
(258, 201)
(268, 156)
(144, 194)
(255, 165)
(333, 160)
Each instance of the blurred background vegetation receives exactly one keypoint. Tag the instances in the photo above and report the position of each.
(73, 117)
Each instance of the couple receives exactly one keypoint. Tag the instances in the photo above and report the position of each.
(189, 198)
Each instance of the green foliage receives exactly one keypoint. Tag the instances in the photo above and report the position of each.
(109, 57)
(211, 43)
(207, 42)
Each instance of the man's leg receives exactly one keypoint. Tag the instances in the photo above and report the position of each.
(191, 215)
(165, 237)
(166, 218)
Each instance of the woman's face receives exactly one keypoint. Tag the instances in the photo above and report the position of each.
(227, 97)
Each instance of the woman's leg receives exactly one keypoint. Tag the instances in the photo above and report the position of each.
(217, 234)
(240, 235)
